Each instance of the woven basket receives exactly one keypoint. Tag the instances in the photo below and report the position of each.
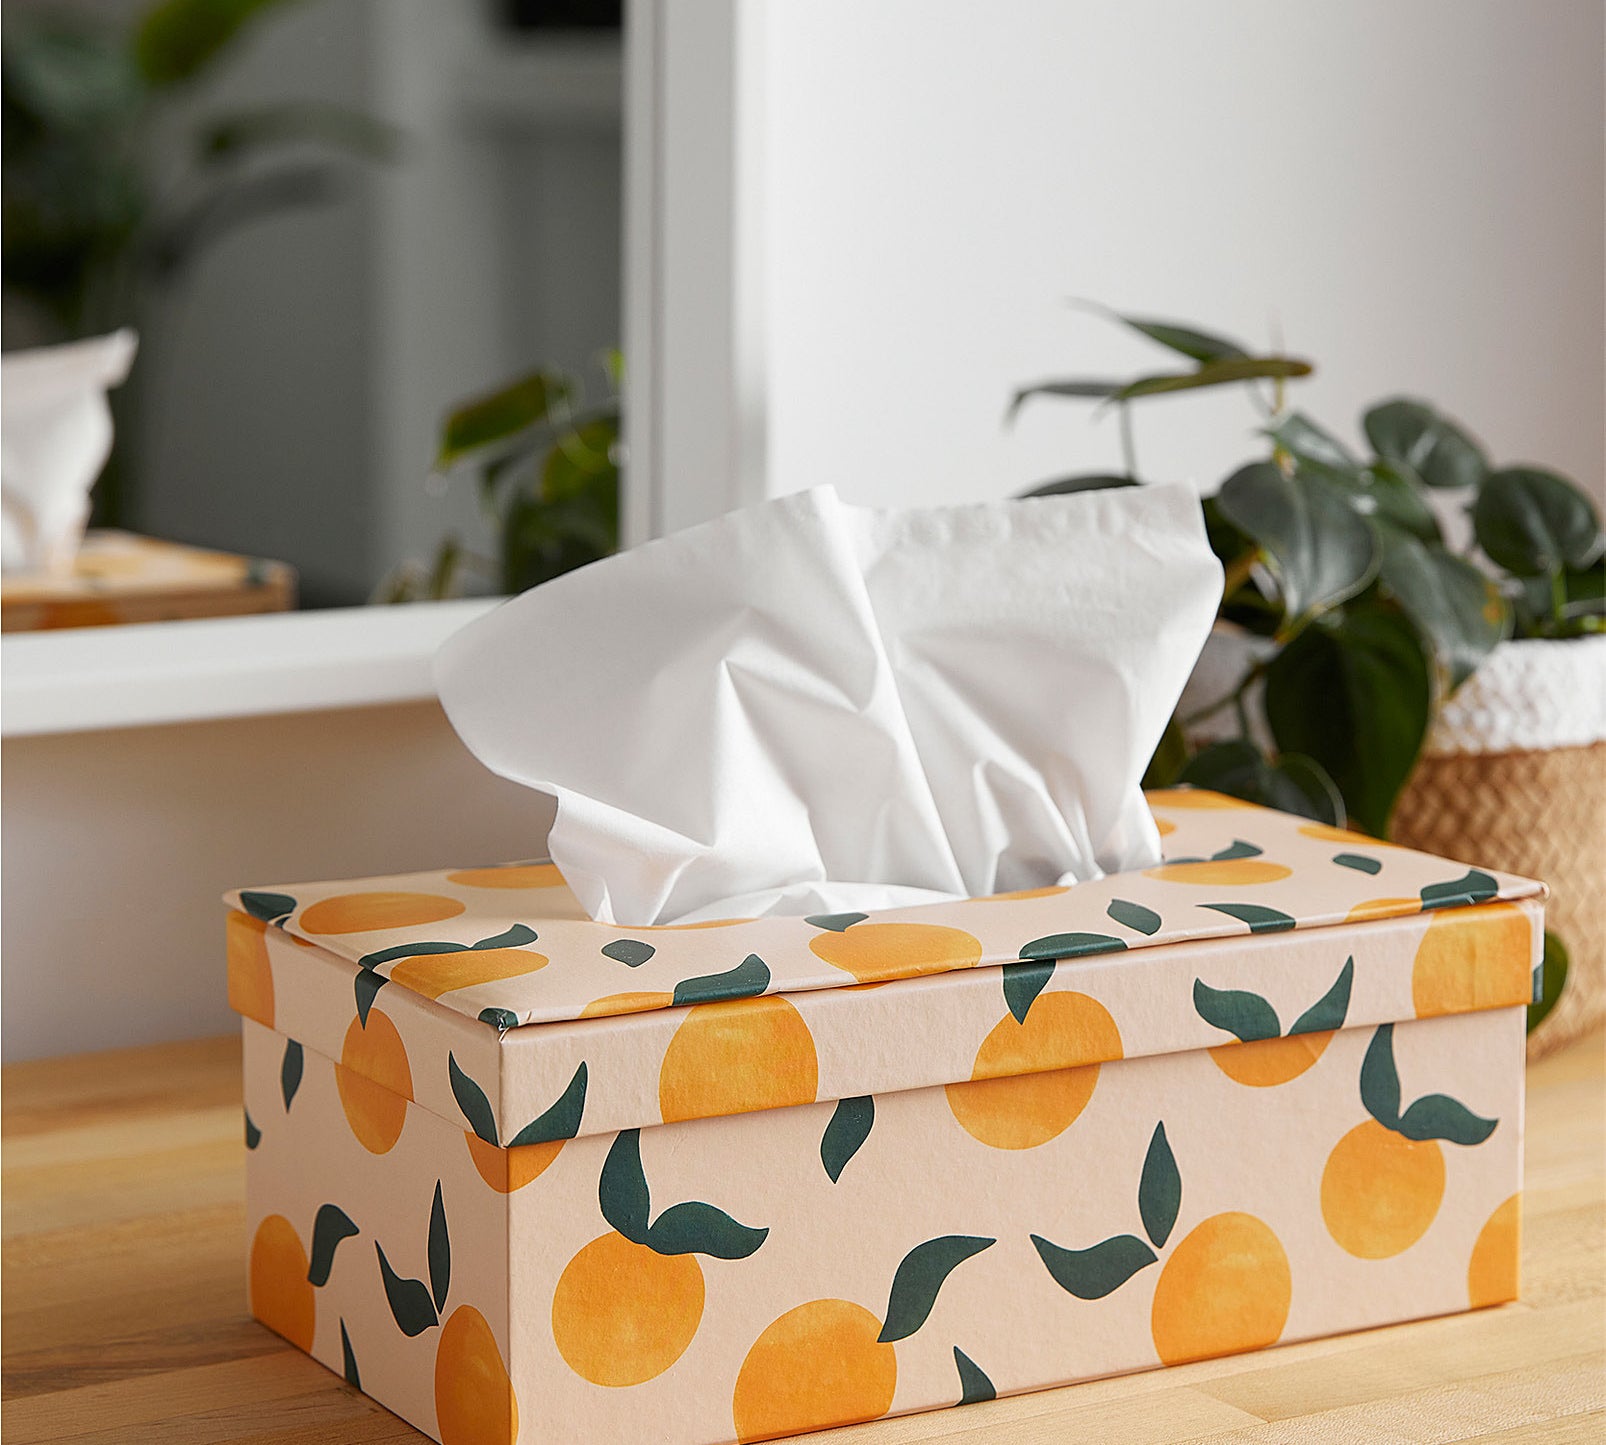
(1514, 777)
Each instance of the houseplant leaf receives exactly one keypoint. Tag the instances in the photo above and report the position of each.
(178, 39)
(1196, 345)
(1077, 389)
(1431, 445)
(1454, 605)
(1090, 482)
(1226, 372)
(1534, 523)
(1354, 693)
(1318, 549)
(1291, 784)
(500, 415)
(1304, 440)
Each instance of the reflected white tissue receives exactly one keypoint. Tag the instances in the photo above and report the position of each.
(55, 436)
(809, 707)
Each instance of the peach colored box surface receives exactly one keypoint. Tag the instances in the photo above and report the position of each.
(525, 1176)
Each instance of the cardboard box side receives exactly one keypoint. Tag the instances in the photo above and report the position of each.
(927, 1255)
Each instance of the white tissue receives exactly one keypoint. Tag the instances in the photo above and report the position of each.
(809, 707)
(55, 436)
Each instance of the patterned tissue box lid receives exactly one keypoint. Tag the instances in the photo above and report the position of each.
(510, 944)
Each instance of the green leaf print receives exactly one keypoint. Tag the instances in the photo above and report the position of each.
(1093, 1273)
(1159, 1189)
(974, 1386)
(562, 1120)
(920, 1276)
(331, 1225)
(850, 1126)
(472, 1101)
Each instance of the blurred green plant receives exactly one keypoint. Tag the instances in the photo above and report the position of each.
(1335, 559)
(547, 469)
(91, 229)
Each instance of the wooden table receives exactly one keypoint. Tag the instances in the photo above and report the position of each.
(125, 1320)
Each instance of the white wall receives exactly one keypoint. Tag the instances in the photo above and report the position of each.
(119, 844)
(1412, 190)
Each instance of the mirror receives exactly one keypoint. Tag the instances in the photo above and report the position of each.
(330, 224)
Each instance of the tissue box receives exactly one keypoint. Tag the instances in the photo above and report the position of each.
(523, 1176)
(119, 577)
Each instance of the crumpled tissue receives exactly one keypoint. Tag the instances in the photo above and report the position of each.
(55, 436)
(811, 707)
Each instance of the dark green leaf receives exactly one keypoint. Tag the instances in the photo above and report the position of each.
(836, 922)
(1071, 945)
(920, 1276)
(1194, 344)
(1359, 862)
(974, 1386)
(747, 980)
(1549, 980)
(177, 39)
(1259, 918)
(1431, 445)
(1096, 1272)
(562, 1120)
(269, 907)
(253, 1135)
(1091, 482)
(1293, 784)
(515, 937)
(1246, 1016)
(1319, 550)
(1380, 1080)
(410, 1303)
(440, 1251)
(472, 1101)
(1160, 1189)
(1535, 523)
(1356, 695)
(579, 457)
(698, 1228)
(1392, 494)
(1474, 886)
(366, 985)
(1449, 600)
(1227, 372)
(331, 1225)
(1438, 1116)
(1304, 440)
(1238, 848)
(1331, 1009)
(408, 950)
(1134, 916)
(850, 1126)
(631, 952)
(290, 1071)
(1023, 982)
(1080, 390)
(501, 415)
(348, 1359)
(622, 1188)
(1170, 757)
(501, 1019)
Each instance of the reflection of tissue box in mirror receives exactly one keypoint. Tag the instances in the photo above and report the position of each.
(118, 577)
(808, 707)
(524, 1175)
(55, 435)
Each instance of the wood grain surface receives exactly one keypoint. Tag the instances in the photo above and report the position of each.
(124, 1313)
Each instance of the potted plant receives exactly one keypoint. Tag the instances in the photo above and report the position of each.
(1411, 640)
(547, 465)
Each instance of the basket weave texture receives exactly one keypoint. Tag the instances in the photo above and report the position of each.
(1541, 814)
